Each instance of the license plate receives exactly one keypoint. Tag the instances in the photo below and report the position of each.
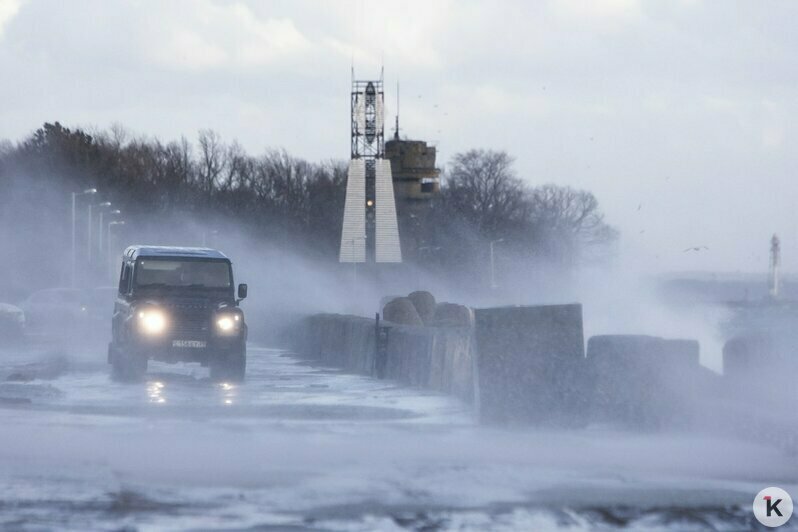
(189, 343)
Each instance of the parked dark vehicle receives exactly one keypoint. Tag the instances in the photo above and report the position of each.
(177, 304)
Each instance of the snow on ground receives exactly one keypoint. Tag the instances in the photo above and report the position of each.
(317, 449)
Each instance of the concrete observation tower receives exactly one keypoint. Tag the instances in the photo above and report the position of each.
(370, 230)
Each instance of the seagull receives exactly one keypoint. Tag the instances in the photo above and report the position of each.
(696, 248)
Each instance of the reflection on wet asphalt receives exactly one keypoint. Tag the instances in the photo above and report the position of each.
(303, 448)
(277, 386)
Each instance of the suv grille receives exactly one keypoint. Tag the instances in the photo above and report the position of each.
(189, 320)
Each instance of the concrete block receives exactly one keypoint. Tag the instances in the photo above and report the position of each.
(451, 315)
(762, 365)
(437, 358)
(644, 381)
(531, 364)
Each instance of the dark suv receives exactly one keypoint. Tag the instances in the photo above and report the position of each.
(177, 304)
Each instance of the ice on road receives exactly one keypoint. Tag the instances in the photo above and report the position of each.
(312, 449)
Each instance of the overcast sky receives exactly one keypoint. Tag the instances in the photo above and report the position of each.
(679, 115)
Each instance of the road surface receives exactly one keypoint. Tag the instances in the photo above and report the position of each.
(304, 448)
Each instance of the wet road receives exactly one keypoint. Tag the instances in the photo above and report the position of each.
(278, 387)
(304, 448)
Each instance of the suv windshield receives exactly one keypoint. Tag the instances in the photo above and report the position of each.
(183, 273)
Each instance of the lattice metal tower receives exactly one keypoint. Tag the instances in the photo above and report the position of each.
(370, 231)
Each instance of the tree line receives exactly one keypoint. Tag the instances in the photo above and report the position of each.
(279, 197)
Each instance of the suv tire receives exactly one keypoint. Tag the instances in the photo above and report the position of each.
(230, 366)
(126, 366)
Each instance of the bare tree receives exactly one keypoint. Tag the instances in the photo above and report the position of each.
(568, 222)
(237, 168)
(483, 188)
(212, 160)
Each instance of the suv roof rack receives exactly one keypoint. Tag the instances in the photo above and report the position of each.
(133, 252)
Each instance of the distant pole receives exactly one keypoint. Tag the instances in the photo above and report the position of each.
(74, 260)
(110, 246)
(100, 232)
(100, 207)
(88, 236)
(74, 256)
(775, 263)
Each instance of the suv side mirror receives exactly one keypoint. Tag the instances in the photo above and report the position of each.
(242, 291)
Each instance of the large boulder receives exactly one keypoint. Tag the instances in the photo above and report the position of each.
(402, 311)
(424, 303)
(452, 315)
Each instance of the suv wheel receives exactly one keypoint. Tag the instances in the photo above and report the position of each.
(229, 366)
(126, 366)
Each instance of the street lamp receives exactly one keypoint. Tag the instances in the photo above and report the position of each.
(110, 249)
(74, 228)
(115, 212)
(100, 206)
(493, 263)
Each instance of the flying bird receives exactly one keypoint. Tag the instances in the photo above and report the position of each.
(696, 248)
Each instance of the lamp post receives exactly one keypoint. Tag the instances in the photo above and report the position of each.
(110, 248)
(115, 212)
(493, 264)
(74, 229)
(100, 206)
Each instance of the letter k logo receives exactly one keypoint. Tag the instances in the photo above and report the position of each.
(772, 506)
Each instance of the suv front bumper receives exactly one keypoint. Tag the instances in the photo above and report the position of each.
(194, 349)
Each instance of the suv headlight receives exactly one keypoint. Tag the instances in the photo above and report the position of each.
(152, 320)
(228, 323)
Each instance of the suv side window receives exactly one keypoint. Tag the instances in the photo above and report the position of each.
(124, 278)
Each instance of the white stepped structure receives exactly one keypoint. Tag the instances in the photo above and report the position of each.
(353, 235)
(370, 231)
(387, 248)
